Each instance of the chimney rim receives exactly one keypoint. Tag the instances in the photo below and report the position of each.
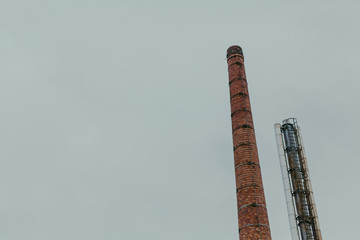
(233, 50)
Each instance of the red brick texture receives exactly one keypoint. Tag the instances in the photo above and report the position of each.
(252, 213)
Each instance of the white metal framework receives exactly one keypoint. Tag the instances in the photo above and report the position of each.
(303, 219)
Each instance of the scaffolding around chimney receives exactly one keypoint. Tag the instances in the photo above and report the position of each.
(303, 218)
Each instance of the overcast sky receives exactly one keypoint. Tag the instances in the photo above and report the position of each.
(115, 115)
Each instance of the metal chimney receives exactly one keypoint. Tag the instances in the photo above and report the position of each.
(303, 218)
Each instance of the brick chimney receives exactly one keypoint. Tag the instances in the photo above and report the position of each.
(252, 213)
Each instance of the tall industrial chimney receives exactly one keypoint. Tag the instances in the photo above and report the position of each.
(303, 218)
(252, 213)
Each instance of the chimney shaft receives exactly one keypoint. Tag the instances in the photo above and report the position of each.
(252, 213)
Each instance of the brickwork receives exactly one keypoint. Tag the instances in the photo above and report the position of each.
(252, 214)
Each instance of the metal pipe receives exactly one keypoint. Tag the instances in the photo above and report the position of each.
(297, 180)
(297, 184)
(287, 183)
(309, 186)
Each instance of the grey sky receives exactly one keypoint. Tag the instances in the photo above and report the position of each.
(115, 115)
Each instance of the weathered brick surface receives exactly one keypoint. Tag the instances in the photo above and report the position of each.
(252, 213)
(262, 232)
(246, 195)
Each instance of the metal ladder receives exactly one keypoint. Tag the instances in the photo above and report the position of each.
(300, 192)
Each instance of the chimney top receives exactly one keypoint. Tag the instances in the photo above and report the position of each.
(234, 50)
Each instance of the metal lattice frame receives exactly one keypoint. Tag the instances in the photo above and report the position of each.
(297, 184)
